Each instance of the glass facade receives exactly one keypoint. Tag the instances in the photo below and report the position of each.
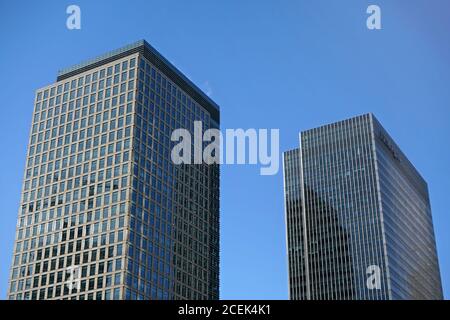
(104, 213)
(354, 203)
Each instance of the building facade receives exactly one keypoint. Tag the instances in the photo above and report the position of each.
(104, 212)
(358, 217)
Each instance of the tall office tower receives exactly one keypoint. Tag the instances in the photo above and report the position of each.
(105, 213)
(358, 217)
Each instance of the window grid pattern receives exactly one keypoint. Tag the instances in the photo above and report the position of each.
(174, 236)
(76, 189)
(100, 191)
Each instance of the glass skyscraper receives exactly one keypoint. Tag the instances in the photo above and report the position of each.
(104, 212)
(358, 217)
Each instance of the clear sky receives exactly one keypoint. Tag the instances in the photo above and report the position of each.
(291, 65)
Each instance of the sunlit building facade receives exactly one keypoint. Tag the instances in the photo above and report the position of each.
(104, 212)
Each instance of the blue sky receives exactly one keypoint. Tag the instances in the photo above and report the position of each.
(291, 65)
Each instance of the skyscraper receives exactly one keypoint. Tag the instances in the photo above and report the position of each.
(358, 217)
(104, 212)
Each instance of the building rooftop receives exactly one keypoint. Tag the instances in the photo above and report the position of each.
(151, 54)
